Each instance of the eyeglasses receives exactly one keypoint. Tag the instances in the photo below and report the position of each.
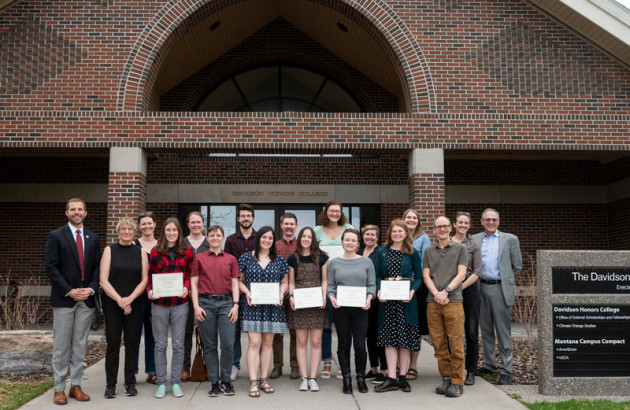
(334, 211)
(440, 227)
(491, 219)
(143, 214)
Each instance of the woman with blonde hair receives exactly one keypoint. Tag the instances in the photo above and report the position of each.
(420, 242)
(398, 320)
(123, 277)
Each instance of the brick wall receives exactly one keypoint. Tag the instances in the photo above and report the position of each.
(172, 168)
(618, 220)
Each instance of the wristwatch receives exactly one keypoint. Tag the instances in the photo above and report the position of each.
(448, 290)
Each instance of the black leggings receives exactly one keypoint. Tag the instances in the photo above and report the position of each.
(375, 353)
(117, 323)
(347, 320)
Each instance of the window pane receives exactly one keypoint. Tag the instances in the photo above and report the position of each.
(306, 217)
(264, 217)
(224, 216)
(224, 98)
(356, 217)
(299, 83)
(259, 84)
(334, 98)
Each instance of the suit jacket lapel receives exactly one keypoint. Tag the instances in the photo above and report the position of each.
(501, 245)
(73, 244)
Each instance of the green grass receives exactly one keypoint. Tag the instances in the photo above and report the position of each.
(14, 395)
(580, 404)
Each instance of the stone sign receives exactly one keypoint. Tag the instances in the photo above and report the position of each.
(584, 322)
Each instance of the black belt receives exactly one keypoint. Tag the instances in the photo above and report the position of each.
(227, 296)
(490, 282)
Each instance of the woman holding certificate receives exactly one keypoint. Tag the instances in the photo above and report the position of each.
(332, 223)
(420, 243)
(168, 287)
(264, 281)
(123, 278)
(351, 287)
(308, 268)
(376, 354)
(398, 277)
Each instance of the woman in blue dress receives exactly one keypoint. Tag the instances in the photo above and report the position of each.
(261, 322)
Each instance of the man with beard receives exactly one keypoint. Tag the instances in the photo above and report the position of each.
(240, 242)
(285, 247)
(73, 256)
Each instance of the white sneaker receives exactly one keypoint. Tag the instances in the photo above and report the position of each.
(312, 384)
(234, 374)
(304, 384)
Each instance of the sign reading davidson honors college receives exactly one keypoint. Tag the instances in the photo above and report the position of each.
(586, 280)
(591, 340)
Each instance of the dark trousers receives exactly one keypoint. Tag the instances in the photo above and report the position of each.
(188, 336)
(351, 324)
(149, 343)
(472, 299)
(376, 353)
(117, 323)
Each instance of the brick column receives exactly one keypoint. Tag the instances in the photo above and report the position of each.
(127, 187)
(426, 185)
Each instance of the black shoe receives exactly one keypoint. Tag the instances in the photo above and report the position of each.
(215, 391)
(470, 379)
(380, 378)
(130, 389)
(227, 388)
(110, 392)
(361, 384)
(454, 390)
(404, 384)
(446, 383)
(484, 372)
(388, 385)
(504, 380)
(371, 375)
(347, 385)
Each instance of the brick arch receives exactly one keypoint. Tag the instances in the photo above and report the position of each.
(237, 65)
(174, 20)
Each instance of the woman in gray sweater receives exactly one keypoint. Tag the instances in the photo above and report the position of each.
(352, 270)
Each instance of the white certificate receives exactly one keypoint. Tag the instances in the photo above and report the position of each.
(264, 293)
(333, 251)
(351, 296)
(308, 297)
(395, 289)
(167, 285)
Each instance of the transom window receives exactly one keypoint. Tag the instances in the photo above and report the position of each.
(280, 88)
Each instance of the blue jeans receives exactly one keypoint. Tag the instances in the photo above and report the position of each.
(149, 343)
(327, 335)
(162, 316)
(217, 327)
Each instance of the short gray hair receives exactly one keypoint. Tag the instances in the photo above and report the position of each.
(490, 210)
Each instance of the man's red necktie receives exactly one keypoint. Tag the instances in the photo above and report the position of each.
(80, 250)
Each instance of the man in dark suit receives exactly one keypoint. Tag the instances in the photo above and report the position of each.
(501, 262)
(73, 255)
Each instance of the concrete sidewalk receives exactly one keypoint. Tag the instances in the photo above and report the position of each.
(482, 395)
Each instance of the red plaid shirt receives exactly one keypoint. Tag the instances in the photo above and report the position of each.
(161, 263)
(284, 248)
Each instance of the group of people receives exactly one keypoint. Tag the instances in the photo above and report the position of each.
(455, 285)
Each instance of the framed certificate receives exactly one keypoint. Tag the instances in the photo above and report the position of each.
(308, 297)
(264, 293)
(167, 285)
(395, 289)
(351, 296)
(333, 251)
